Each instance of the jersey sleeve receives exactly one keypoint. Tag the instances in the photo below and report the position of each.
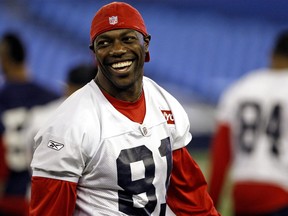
(178, 123)
(220, 158)
(58, 157)
(62, 147)
(187, 193)
(66, 142)
(176, 117)
(181, 135)
(52, 197)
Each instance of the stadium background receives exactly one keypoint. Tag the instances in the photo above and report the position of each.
(198, 47)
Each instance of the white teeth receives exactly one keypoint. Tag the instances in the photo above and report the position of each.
(121, 64)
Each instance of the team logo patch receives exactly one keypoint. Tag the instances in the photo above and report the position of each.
(168, 116)
(55, 145)
(113, 20)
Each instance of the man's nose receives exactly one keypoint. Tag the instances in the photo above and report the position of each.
(117, 49)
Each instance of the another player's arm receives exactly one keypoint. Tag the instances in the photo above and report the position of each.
(187, 192)
(220, 159)
(52, 197)
(3, 166)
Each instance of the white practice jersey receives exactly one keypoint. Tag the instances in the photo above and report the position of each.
(121, 167)
(256, 108)
(37, 116)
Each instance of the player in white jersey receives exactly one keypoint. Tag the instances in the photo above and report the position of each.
(252, 137)
(117, 145)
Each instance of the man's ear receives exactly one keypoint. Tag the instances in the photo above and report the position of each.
(146, 42)
(91, 47)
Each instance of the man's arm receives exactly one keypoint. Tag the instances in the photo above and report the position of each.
(52, 197)
(220, 159)
(4, 171)
(187, 193)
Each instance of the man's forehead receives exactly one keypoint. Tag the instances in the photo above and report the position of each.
(118, 33)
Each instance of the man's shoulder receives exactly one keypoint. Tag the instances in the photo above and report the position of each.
(252, 78)
(153, 85)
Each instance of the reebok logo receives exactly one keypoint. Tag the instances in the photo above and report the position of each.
(54, 145)
(168, 116)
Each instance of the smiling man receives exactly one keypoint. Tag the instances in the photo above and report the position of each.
(120, 55)
(120, 153)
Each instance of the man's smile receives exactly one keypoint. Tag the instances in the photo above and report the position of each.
(121, 66)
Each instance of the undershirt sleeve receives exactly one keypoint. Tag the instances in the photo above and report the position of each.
(187, 193)
(3, 165)
(220, 159)
(52, 197)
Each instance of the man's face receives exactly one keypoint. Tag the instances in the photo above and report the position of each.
(120, 55)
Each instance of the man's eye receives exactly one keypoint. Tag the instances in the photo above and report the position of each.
(129, 39)
(102, 43)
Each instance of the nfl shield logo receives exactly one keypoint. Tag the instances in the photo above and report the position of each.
(113, 20)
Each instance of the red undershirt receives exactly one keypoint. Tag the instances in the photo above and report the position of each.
(135, 111)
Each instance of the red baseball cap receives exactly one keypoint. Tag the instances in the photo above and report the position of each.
(117, 15)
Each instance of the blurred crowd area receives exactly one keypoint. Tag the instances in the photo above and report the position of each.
(197, 49)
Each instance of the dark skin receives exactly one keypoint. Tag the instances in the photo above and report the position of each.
(13, 71)
(279, 62)
(120, 55)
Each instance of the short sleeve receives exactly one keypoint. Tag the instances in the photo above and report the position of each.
(59, 157)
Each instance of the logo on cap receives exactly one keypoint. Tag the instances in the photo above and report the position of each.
(113, 20)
